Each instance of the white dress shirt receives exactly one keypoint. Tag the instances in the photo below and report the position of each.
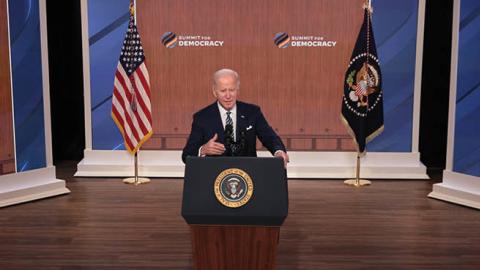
(223, 116)
(233, 115)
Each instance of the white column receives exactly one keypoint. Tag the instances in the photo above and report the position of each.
(86, 76)
(418, 76)
(46, 83)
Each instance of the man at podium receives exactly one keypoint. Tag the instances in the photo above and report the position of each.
(229, 127)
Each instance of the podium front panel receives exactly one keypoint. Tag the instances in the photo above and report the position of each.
(268, 204)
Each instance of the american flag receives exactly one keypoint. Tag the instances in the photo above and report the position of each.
(131, 108)
(359, 89)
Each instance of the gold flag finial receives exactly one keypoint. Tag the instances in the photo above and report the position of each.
(132, 8)
(368, 6)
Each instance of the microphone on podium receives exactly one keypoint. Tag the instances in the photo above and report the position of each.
(228, 139)
(243, 143)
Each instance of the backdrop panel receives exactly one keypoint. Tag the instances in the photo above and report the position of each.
(35, 176)
(299, 88)
(107, 24)
(26, 62)
(461, 177)
(467, 120)
(297, 81)
(395, 27)
(7, 156)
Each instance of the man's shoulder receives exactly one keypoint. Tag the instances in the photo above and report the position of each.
(244, 106)
(208, 110)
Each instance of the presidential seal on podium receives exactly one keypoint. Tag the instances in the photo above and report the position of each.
(233, 188)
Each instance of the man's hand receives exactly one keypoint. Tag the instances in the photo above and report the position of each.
(212, 148)
(283, 155)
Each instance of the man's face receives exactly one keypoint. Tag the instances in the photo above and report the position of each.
(226, 91)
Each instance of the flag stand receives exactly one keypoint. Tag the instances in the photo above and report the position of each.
(136, 180)
(357, 182)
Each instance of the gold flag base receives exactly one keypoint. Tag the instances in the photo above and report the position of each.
(357, 182)
(136, 181)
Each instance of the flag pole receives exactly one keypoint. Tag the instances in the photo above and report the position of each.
(136, 180)
(357, 182)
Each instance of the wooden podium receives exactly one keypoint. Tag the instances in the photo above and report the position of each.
(235, 207)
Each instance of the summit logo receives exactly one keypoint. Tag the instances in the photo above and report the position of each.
(283, 40)
(171, 40)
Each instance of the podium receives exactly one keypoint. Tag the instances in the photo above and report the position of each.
(235, 207)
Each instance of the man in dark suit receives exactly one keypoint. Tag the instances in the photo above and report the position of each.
(230, 127)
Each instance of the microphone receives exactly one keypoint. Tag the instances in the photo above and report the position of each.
(243, 143)
(228, 139)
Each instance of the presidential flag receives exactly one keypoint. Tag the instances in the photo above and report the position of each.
(362, 104)
(131, 108)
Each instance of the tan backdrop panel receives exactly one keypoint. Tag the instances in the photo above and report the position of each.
(7, 162)
(298, 88)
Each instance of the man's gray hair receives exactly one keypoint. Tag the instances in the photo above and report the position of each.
(226, 72)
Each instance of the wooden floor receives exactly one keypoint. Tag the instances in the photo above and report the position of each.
(104, 224)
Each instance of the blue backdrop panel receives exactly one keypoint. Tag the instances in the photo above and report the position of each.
(467, 120)
(395, 28)
(107, 23)
(27, 84)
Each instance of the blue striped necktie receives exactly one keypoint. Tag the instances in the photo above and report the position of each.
(229, 119)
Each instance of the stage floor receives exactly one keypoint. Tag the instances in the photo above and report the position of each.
(105, 224)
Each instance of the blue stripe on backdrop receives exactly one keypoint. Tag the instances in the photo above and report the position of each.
(395, 27)
(27, 84)
(109, 28)
(467, 120)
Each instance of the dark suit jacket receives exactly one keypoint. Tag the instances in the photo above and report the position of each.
(250, 120)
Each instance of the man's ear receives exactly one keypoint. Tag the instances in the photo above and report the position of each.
(214, 92)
